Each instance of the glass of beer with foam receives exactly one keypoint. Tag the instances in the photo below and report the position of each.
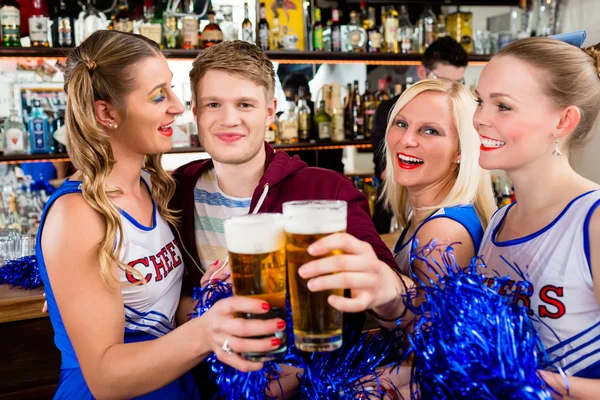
(317, 325)
(256, 247)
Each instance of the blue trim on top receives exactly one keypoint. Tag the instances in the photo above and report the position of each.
(217, 199)
(572, 338)
(532, 236)
(591, 371)
(580, 359)
(142, 314)
(133, 220)
(399, 246)
(586, 235)
(575, 350)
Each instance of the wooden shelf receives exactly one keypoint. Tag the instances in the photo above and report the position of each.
(362, 144)
(280, 56)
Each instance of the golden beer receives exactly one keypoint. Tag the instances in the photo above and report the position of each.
(317, 325)
(256, 247)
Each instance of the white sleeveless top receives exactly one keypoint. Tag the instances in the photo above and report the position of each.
(555, 260)
(153, 251)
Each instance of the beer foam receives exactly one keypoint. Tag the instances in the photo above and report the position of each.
(254, 234)
(315, 222)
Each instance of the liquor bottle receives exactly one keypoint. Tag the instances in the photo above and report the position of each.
(189, 28)
(356, 36)
(63, 32)
(382, 28)
(275, 35)
(440, 27)
(211, 34)
(428, 29)
(369, 107)
(392, 23)
(336, 31)
(357, 114)
(122, 18)
(288, 122)
(15, 141)
(303, 112)
(405, 32)
(323, 123)
(271, 134)
(229, 28)
(317, 32)
(38, 25)
(348, 112)
(247, 29)
(171, 32)
(263, 29)
(337, 112)
(152, 26)
(364, 15)
(375, 38)
(10, 17)
(381, 94)
(58, 130)
(39, 130)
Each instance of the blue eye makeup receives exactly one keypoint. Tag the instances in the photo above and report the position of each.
(159, 98)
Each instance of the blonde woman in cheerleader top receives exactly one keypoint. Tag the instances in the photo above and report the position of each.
(556, 261)
(149, 309)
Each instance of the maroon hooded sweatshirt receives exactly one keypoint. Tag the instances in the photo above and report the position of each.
(285, 179)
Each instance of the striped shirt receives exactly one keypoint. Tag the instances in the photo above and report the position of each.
(213, 207)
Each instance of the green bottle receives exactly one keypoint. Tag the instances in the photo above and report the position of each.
(323, 123)
(318, 32)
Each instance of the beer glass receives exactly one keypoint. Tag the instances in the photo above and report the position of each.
(256, 247)
(317, 325)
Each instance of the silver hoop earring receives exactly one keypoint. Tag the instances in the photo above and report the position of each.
(556, 151)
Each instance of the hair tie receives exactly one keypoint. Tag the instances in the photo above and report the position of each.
(90, 65)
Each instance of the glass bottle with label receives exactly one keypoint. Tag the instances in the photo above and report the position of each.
(381, 94)
(63, 32)
(171, 33)
(90, 20)
(304, 119)
(263, 29)
(373, 33)
(212, 33)
(317, 32)
(356, 39)
(428, 30)
(247, 29)
(10, 19)
(392, 23)
(58, 132)
(39, 130)
(15, 141)
(271, 134)
(323, 123)
(358, 132)
(337, 115)
(189, 27)
(405, 32)
(336, 31)
(288, 122)
(369, 107)
(229, 28)
(122, 18)
(38, 25)
(152, 26)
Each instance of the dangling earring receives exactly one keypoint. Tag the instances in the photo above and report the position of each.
(556, 151)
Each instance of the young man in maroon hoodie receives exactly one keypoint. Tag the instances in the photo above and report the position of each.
(233, 99)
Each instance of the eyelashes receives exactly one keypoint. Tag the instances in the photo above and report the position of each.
(161, 96)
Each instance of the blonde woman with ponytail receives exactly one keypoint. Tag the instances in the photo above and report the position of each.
(111, 267)
(434, 185)
(538, 99)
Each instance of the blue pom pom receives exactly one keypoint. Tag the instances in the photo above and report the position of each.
(329, 375)
(469, 341)
(22, 272)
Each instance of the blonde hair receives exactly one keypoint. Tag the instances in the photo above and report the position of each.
(569, 76)
(237, 58)
(471, 184)
(101, 69)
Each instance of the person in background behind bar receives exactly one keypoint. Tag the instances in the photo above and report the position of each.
(446, 59)
(111, 266)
